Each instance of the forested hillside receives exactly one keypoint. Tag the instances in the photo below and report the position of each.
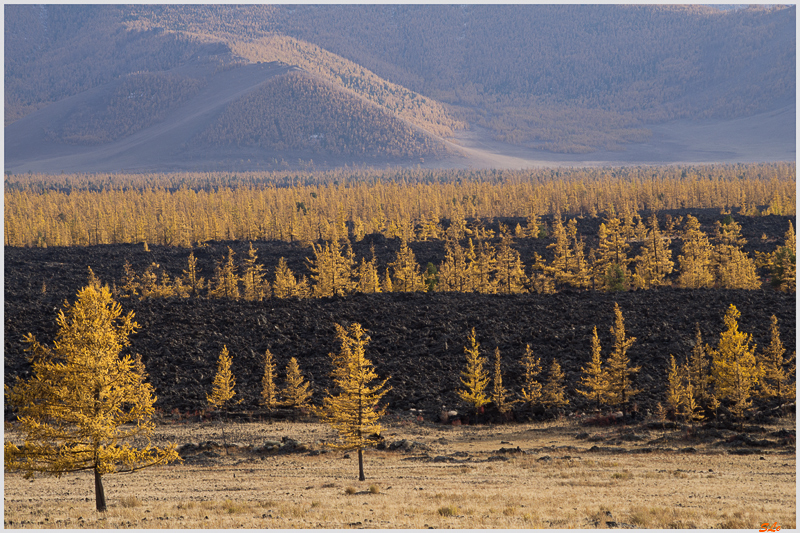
(301, 112)
(564, 79)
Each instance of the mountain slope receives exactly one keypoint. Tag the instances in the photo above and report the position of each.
(148, 86)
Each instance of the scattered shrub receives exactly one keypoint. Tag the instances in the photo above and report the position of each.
(448, 510)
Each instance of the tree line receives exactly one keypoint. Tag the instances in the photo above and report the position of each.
(190, 208)
(481, 267)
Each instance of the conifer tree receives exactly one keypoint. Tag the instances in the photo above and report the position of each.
(483, 268)
(222, 391)
(611, 268)
(531, 388)
(474, 377)
(618, 372)
(654, 262)
(594, 376)
(562, 254)
(695, 259)
(191, 277)
(386, 286)
(499, 392)
(268, 390)
(734, 368)
(699, 373)
(579, 275)
(784, 263)
(511, 277)
(295, 392)
(86, 405)
(226, 281)
(453, 273)
(406, 276)
(224, 382)
(732, 267)
(353, 411)
(368, 279)
(553, 392)
(332, 271)
(777, 377)
(285, 284)
(130, 285)
(256, 288)
(675, 386)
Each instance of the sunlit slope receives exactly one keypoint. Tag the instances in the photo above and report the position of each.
(299, 111)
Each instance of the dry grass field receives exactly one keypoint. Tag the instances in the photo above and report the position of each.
(444, 477)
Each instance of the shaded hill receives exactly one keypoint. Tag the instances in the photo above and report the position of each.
(498, 85)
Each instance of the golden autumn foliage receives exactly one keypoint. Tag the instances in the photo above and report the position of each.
(474, 377)
(619, 373)
(734, 367)
(185, 209)
(778, 370)
(222, 390)
(554, 392)
(696, 257)
(269, 392)
(86, 403)
(500, 395)
(594, 380)
(295, 390)
(531, 387)
(352, 408)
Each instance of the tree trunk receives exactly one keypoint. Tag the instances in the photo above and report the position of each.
(361, 465)
(99, 493)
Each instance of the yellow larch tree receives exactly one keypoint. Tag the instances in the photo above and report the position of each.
(734, 368)
(611, 266)
(618, 370)
(594, 377)
(562, 254)
(483, 268)
(86, 403)
(222, 389)
(654, 261)
(531, 388)
(286, 285)
(579, 275)
(191, 277)
(499, 393)
(269, 392)
(295, 391)
(777, 379)
(554, 392)
(368, 278)
(699, 370)
(453, 273)
(696, 257)
(406, 276)
(256, 288)
(474, 377)
(674, 386)
(332, 270)
(783, 263)
(226, 281)
(510, 277)
(733, 268)
(353, 410)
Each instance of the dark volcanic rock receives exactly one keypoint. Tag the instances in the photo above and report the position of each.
(418, 339)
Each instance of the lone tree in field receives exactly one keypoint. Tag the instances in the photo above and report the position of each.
(474, 377)
(86, 401)
(353, 411)
(222, 391)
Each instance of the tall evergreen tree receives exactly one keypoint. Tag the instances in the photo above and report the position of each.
(696, 257)
(256, 288)
(594, 377)
(511, 277)
(618, 370)
(474, 377)
(406, 276)
(654, 261)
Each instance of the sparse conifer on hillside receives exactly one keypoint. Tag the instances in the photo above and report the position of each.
(531, 388)
(594, 377)
(618, 370)
(499, 392)
(226, 281)
(777, 369)
(553, 392)
(269, 393)
(256, 288)
(696, 257)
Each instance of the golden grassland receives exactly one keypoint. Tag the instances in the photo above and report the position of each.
(574, 488)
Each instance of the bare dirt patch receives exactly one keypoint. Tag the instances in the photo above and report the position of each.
(555, 475)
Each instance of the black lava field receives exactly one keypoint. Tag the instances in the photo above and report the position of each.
(416, 338)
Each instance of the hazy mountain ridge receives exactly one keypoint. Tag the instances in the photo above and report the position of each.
(561, 79)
